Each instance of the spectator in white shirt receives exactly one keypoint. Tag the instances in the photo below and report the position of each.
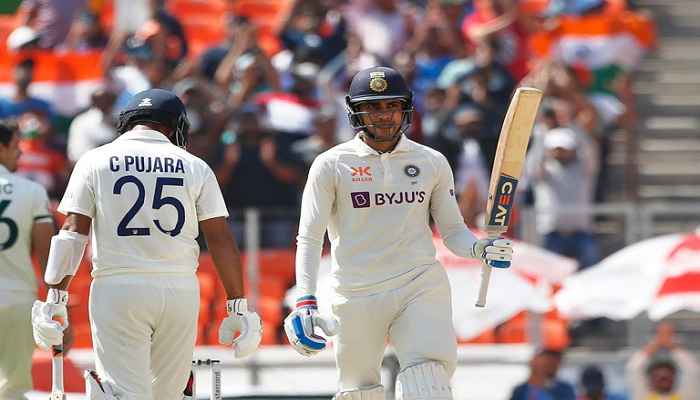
(94, 127)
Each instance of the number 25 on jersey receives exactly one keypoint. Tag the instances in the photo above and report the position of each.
(158, 201)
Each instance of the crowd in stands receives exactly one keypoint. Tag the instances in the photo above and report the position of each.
(264, 85)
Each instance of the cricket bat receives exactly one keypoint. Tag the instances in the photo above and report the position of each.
(57, 392)
(507, 167)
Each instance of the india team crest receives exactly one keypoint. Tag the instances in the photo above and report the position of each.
(411, 170)
(377, 82)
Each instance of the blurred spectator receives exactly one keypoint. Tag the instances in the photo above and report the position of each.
(503, 24)
(159, 42)
(95, 126)
(471, 176)
(22, 102)
(39, 161)
(292, 111)
(86, 33)
(543, 383)
(322, 139)
(211, 58)
(206, 113)
(663, 369)
(313, 32)
(592, 385)
(562, 170)
(245, 70)
(51, 19)
(258, 170)
(383, 25)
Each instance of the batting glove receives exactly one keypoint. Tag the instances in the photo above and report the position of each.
(240, 320)
(48, 332)
(300, 326)
(496, 253)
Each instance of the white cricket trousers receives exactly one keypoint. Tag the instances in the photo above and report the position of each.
(415, 317)
(16, 348)
(143, 333)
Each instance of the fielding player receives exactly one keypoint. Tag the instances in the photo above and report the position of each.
(144, 196)
(26, 227)
(375, 194)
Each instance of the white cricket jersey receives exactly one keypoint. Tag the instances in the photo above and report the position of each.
(22, 204)
(376, 208)
(145, 197)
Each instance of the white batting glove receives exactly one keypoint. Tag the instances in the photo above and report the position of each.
(496, 253)
(47, 332)
(240, 320)
(300, 326)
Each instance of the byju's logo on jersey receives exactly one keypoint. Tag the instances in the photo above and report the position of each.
(360, 199)
(365, 200)
(146, 102)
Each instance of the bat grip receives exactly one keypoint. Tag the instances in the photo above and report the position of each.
(57, 373)
(486, 270)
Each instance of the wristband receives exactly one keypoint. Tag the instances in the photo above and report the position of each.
(57, 296)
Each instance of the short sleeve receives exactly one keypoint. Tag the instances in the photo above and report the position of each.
(79, 197)
(210, 202)
(40, 206)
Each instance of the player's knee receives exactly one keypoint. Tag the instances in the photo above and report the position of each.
(375, 392)
(426, 381)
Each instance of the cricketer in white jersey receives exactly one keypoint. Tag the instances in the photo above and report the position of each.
(145, 198)
(375, 195)
(26, 226)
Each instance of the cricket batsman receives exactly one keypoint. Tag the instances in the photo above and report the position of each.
(144, 197)
(375, 194)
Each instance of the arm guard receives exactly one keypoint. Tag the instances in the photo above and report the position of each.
(66, 252)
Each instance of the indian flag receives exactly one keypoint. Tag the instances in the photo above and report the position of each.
(66, 80)
(597, 41)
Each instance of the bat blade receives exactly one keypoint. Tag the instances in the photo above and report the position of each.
(507, 167)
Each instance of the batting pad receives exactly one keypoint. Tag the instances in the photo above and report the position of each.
(375, 392)
(426, 381)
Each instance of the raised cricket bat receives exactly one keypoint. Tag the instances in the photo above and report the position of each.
(507, 167)
(57, 392)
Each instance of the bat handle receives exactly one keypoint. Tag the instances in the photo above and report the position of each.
(57, 392)
(486, 271)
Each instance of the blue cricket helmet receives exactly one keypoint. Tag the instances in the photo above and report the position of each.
(160, 106)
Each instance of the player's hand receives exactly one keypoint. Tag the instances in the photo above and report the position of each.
(245, 322)
(300, 326)
(496, 253)
(46, 330)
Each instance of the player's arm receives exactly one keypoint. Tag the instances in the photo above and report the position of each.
(316, 206)
(67, 250)
(65, 253)
(455, 234)
(445, 211)
(224, 251)
(41, 241)
(211, 214)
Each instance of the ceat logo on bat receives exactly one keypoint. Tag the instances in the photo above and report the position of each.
(361, 174)
(503, 201)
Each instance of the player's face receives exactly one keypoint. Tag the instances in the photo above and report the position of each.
(9, 154)
(382, 118)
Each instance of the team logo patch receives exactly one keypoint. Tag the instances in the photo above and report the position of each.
(411, 170)
(377, 82)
